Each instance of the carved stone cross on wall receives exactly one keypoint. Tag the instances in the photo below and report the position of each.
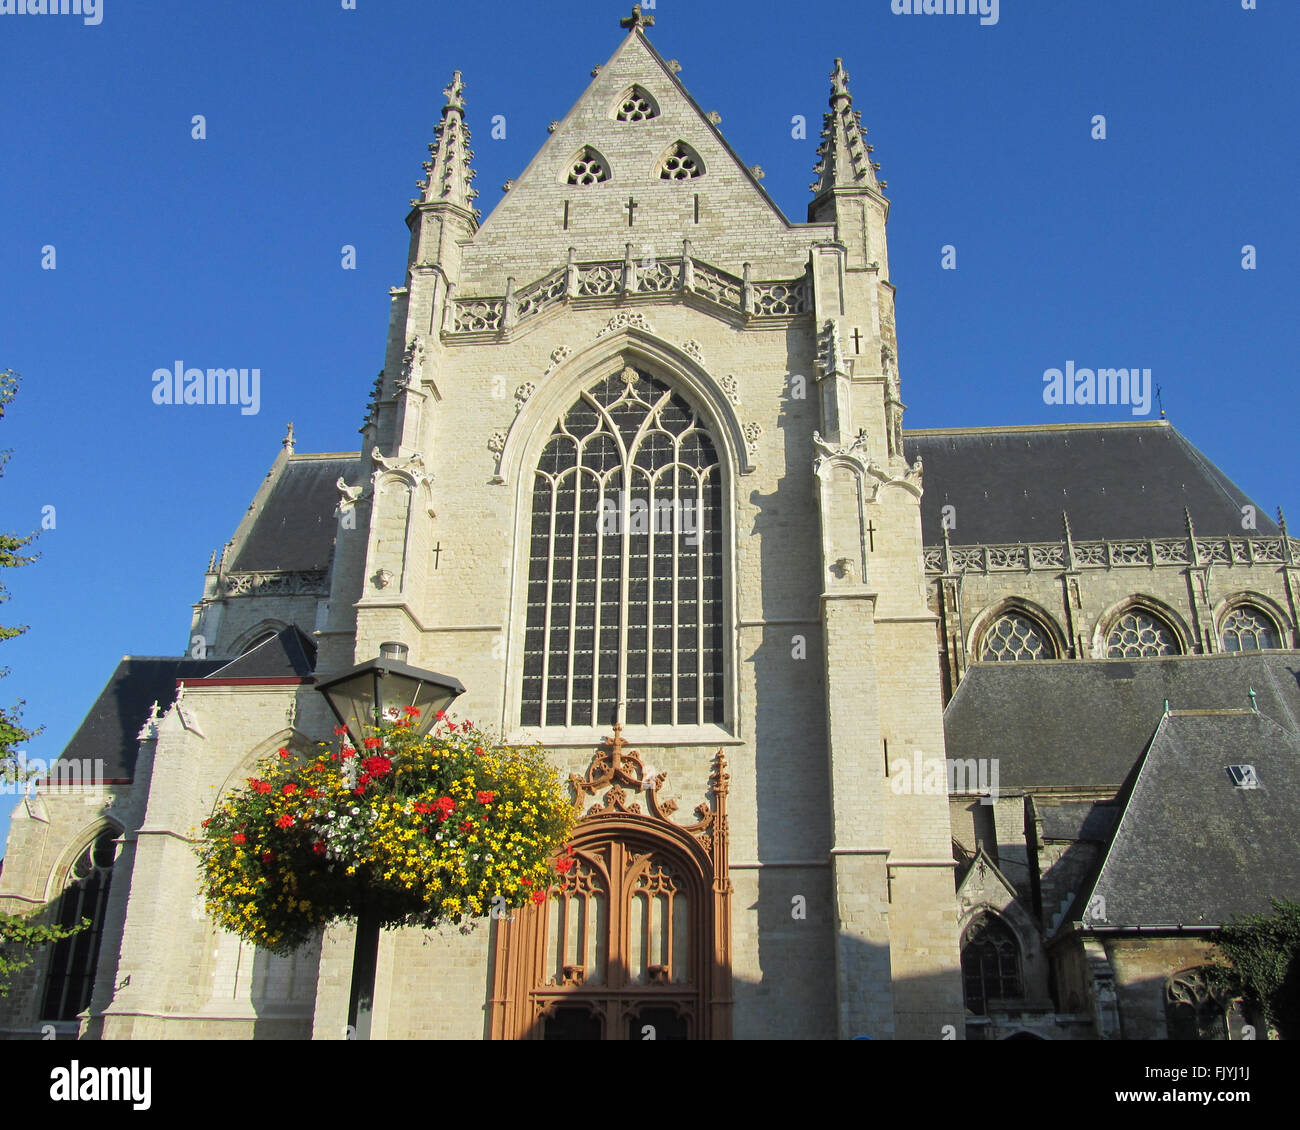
(631, 207)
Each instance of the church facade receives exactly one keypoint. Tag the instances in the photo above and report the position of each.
(861, 720)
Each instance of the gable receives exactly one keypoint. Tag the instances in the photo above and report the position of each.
(526, 237)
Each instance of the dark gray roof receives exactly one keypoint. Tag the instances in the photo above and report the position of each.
(108, 732)
(1076, 819)
(1114, 480)
(1085, 722)
(1194, 849)
(296, 524)
(288, 654)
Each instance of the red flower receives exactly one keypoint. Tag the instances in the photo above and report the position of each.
(259, 786)
(268, 857)
(318, 848)
(485, 798)
(444, 807)
(564, 866)
(424, 828)
(359, 791)
(466, 825)
(289, 790)
(422, 807)
(313, 793)
(478, 751)
(285, 821)
(363, 780)
(377, 766)
(284, 753)
(527, 882)
(412, 712)
(440, 716)
(207, 822)
(333, 757)
(373, 743)
(539, 897)
(340, 730)
(238, 838)
(348, 751)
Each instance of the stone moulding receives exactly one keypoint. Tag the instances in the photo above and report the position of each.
(303, 582)
(621, 279)
(1149, 553)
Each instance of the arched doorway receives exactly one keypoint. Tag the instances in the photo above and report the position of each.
(634, 944)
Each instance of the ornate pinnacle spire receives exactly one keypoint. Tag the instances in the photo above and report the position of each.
(288, 441)
(448, 173)
(844, 157)
(636, 21)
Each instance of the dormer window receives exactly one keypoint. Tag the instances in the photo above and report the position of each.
(636, 105)
(588, 167)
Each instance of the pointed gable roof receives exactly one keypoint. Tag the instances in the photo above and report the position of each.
(524, 236)
(1193, 848)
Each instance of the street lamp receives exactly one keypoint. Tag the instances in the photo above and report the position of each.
(383, 688)
(364, 697)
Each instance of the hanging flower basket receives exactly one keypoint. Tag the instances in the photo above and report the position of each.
(412, 830)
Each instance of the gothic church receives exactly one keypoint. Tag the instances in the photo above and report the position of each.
(751, 685)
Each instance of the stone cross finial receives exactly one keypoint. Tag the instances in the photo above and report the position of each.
(839, 80)
(454, 90)
(636, 20)
(288, 440)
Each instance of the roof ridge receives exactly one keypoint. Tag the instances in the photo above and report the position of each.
(1002, 429)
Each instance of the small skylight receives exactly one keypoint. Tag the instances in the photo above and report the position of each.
(1243, 776)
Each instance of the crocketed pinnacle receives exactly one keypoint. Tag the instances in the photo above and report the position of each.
(844, 156)
(448, 172)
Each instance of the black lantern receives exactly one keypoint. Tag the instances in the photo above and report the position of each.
(382, 689)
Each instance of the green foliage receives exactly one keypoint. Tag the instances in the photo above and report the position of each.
(20, 937)
(12, 731)
(1263, 953)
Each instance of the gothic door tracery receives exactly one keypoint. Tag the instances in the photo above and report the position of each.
(634, 943)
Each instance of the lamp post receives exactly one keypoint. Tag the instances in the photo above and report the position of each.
(363, 697)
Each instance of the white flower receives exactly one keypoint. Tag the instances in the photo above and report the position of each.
(355, 811)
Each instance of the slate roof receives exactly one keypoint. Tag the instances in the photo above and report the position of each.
(1192, 848)
(1056, 723)
(294, 528)
(289, 654)
(1076, 820)
(108, 732)
(1116, 481)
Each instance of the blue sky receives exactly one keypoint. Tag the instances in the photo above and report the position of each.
(1126, 251)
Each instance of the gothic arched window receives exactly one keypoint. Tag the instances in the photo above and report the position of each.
(990, 964)
(1012, 637)
(1248, 628)
(681, 162)
(71, 976)
(625, 564)
(1195, 1007)
(1139, 634)
(588, 167)
(636, 105)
